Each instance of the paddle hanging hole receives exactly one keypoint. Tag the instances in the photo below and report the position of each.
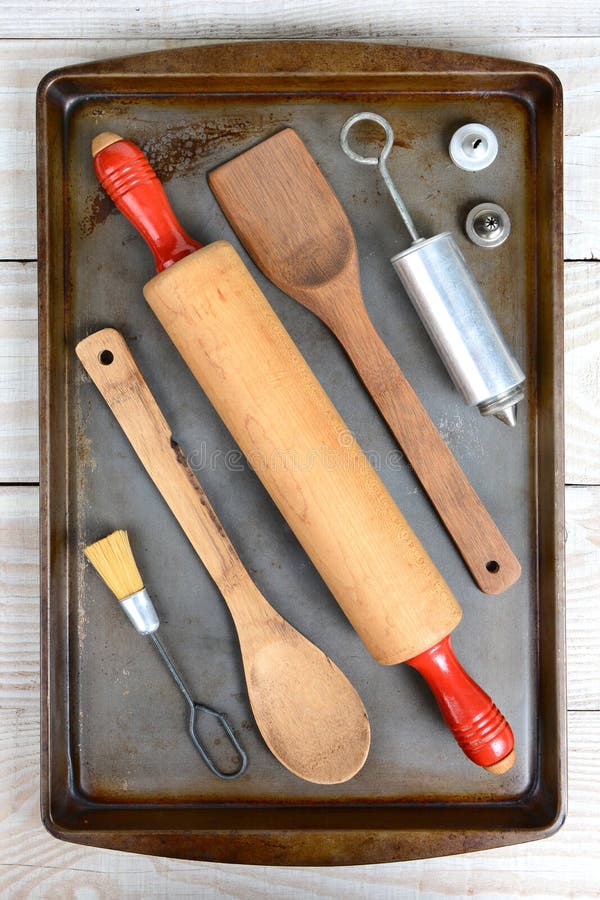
(106, 357)
(492, 566)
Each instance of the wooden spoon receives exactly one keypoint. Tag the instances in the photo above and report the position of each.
(308, 713)
(293, 226)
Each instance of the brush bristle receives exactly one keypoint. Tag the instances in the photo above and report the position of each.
(113, 560)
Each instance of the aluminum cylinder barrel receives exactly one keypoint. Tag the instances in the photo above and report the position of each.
(458, 320)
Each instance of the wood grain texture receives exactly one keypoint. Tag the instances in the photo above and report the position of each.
(303, 452)
(583, 593)
(308, 713)
(293, 226)
(233, 19)
(18, 386)
(32, 864)
(319, 478)
(18, 365)
(582, 373)
(576, 61)
(109, 363)
(19, 598)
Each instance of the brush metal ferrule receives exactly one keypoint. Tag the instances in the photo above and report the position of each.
(140, 611)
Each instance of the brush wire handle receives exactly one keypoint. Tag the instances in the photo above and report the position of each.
(131, 183)
(478, 726)
(196, 712)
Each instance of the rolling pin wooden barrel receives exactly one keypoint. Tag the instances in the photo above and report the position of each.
(303, 452)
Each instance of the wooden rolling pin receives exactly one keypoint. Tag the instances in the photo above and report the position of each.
(304, 454)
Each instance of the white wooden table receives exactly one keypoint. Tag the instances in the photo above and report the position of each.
(38, 36)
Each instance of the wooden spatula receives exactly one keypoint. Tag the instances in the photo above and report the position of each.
(310, 716)
(293, 226)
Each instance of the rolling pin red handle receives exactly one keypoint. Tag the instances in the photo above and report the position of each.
(131, 183)
(480, 729)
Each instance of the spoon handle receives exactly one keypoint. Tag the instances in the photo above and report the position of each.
(486, 553)
(109, 363)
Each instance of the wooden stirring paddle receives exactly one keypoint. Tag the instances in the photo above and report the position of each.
(293, 226)
(310, 716)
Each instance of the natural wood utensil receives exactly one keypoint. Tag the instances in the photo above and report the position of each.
(308, 713)
(301, 449)
(293, 226)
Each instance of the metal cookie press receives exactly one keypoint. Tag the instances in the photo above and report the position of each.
(450, 303)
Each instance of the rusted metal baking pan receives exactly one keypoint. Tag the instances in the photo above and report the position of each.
(117, 768)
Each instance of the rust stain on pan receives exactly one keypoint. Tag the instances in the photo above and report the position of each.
(181, 150)
(184, 150)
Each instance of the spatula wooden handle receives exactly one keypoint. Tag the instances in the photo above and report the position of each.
(477, 724)
(131, 183)
(109, 363)
(480, 542)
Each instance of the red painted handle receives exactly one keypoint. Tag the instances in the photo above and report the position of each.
(479, 727)
(131, 183)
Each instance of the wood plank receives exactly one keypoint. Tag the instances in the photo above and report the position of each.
(22, 66)
(18, 388)
(19, 595)
(582, 372)
(18, 361)
(19, 598)
(232, 19)
(576, 61)
(582, 196)
(583, 592)
(33, 864)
